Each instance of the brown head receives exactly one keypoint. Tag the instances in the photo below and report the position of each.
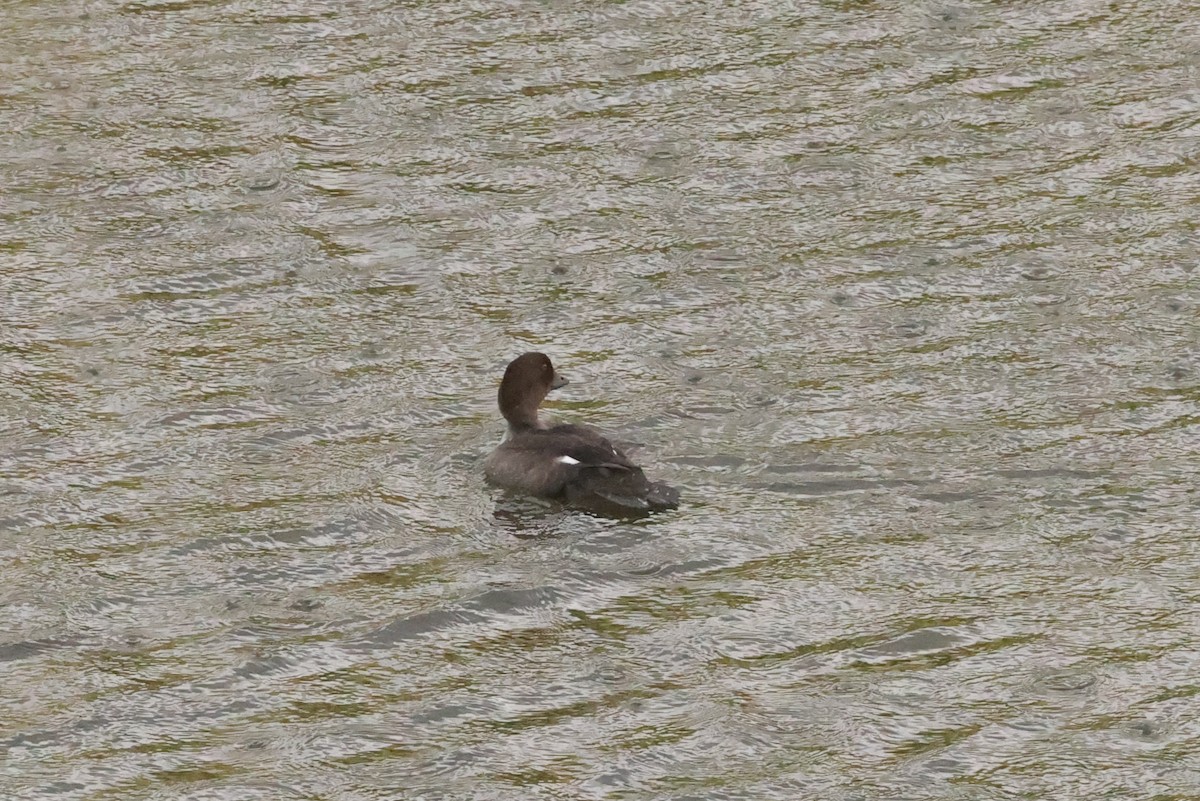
(526, 381)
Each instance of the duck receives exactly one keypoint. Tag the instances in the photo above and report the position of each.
(574, 464)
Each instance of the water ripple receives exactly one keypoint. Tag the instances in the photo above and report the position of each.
(900, 295)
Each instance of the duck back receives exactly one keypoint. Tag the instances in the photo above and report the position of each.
(577, 465)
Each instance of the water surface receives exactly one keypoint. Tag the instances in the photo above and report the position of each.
(901, 295)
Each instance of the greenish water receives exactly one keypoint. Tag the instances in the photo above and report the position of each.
(901, 296)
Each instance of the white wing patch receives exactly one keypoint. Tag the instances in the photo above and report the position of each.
(567, 460)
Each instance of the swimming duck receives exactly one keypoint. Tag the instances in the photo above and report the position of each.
(572, 463)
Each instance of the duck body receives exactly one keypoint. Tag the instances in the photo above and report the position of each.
(572, 463)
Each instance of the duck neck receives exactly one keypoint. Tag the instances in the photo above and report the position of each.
(520, 409)
(518, 423)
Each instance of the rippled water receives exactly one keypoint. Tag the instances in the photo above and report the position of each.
(902, 296)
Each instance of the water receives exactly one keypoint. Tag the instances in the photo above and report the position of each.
(902, 296)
